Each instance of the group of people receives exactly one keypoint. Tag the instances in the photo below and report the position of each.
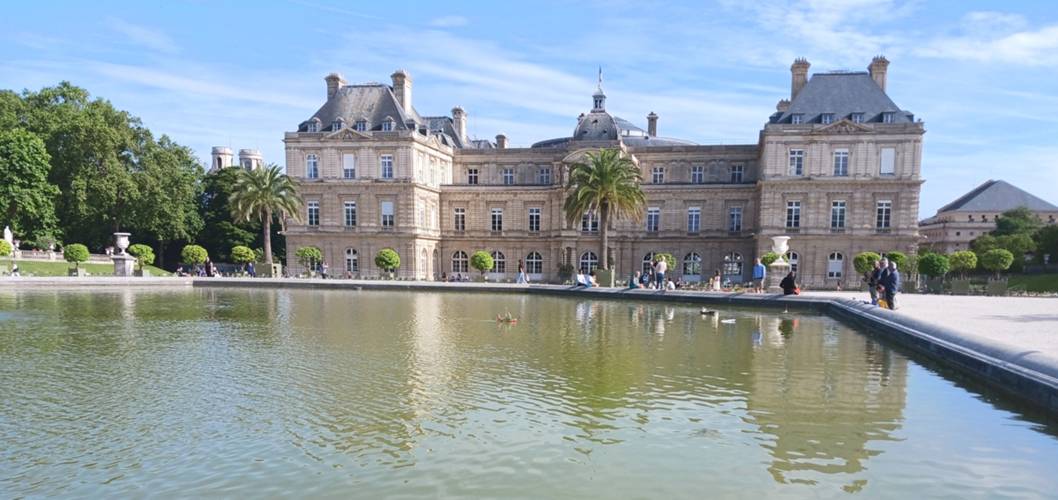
(654, 278)
(883, 283)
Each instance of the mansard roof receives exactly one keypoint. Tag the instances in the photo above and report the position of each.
(842, 94)
(373, 102)
(997, 196)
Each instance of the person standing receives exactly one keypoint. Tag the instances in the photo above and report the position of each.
(323, 270)
(871, 278)
(789, 284)
(759, 271)
(522, 278)
(659, 272)
(250, 270)
(892, 285)
(717, 281)
(882, 276)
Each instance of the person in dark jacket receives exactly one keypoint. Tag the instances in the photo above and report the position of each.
(892, 285)
(871, 278)
(789, 284)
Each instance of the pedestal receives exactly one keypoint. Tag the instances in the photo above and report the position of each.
(776, 272)
(123, 265)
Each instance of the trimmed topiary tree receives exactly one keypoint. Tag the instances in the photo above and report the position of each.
(933, 265)
(963, 262)
(768, 258)
(309, 257)
(75, 254)
(242, 255)
(144, 254)
(899, 257)
(669, 259)
(864, 261)
(482, 261)
(5, 250)
(997, 260)
(387, 259)
(194, 255)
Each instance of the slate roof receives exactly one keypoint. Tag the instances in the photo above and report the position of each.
(997, 196)
(842, 94)
(373, 102)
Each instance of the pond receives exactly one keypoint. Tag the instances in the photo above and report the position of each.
(251, 393)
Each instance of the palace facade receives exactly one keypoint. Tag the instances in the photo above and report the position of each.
(836, 167)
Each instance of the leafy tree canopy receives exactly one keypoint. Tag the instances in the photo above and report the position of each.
(193, 254)
(387, 259)
(864, 261)
(242, 255)
(933, 265)
(75, 253)
(963, 261)
(482, 261)
(1020, 220)
(27, 199)
(309, 256)
(144, 254)
(997, 260)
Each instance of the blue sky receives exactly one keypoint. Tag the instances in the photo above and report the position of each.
(982, 75)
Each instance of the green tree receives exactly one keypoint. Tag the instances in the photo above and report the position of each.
(963, 262)
(768, 258)
(984, 243)
(607, 185)
(225, 232)
(1047, 242)
(168, 182)
(997, 260)
(144, 254)
(670, 261)
(899, 258)
(1020, 220)
(387, 260)
(263, 194)
(864, 261)
(242, 255)
(482, 261)
(75, 253)
(27, 199)
(933, 265)
(309, 257)
(193, 255)
(5, 250)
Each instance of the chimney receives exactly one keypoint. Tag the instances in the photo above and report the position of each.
(334, 82)
(783, 105)
(459, 122)
(652, 124)
(879, 66)
(402, 89)
(501, 141)
(799, 76)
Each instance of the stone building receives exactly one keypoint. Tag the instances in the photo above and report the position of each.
(973, 214)
(222, 157)
(837, 167)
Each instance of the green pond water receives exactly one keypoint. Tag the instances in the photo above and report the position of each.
(261, 393)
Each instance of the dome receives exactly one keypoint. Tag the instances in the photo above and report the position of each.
(596, 126)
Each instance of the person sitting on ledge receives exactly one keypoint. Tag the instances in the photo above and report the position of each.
(633, 281)
(789, 285)
(591, 281)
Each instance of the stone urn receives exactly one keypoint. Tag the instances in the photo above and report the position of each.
(777, 270)
(780, 244)
(123, 263)
(121, 240)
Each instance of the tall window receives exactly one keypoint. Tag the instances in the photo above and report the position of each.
(887, 160)
(793, 214)
(508, 176)
(312, 167)
(692, 264)
(837, 216)
(386, 209)
(499, 262)
(349, 166)
(497, 219)
(841, 162)
(534, 220)
(648, 262)
(589, 222)
(797, 162)
(460, 262)
(352, 261)
(653, 219)
(698, 174)
(835, 265)
(694, 219)
(588, 262)
(534, 263)
(472, 176)
(733, 264)
(657, 175)
(460, 223)
(793, 259)
(737, 171)
(314, 213)
(883, 215)
(350, 213)
(544, 175)
(734, 219)
(386, 164)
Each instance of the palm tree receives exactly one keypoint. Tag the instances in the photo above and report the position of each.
(264, 193)
(607, 184)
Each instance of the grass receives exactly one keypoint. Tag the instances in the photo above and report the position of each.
(1038, 283)
(59, 268)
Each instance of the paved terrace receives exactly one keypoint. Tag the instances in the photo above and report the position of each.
(1009, 342)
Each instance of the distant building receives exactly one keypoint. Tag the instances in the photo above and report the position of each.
(249, 159)
(837, 167)
(958, 223)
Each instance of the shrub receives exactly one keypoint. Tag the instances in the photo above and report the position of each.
(768, 258)
(864, 261)
(565, 272)
(144, 254)
(309, 257)
(242, 254)
(997, 260)
(193, 254)
(387, 260)
(669, 259)
(899, 257)
(963, 261)
(482, 261)
(5, 248)
(75, 254)
(933, 265)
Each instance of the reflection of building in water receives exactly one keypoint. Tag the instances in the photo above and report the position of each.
(822, 401)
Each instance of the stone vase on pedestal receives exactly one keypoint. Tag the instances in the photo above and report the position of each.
(777, 270)
(124, 264)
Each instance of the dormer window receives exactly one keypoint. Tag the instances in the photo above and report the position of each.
(387, 126)
(313, 125)
(857, 118)
(888, 116)
(826, 118)
(338, 124)
(361, 125)
(797, 118)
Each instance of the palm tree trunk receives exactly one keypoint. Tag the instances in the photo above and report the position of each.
(604, 237)
(266, 225)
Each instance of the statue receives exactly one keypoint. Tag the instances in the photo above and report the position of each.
(8, 236)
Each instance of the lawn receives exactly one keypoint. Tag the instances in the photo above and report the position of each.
(1034, 282)
(59, 268)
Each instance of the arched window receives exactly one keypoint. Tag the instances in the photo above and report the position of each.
(459, 262)
(312, 166)
(733, 264)
(499, 262)
(692, 264)
(792, 258)
(534, 263)
(648, 262)
(835, 265)
(352, 261)
(588, 262)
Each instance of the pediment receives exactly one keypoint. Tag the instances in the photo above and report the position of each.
(844, 126)
(346, 134)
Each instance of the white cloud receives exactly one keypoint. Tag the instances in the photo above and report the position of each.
(449, 22)
(146, 37)
(1029, 48)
